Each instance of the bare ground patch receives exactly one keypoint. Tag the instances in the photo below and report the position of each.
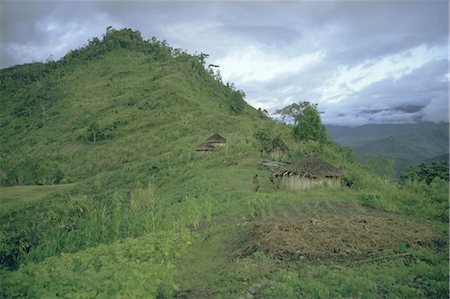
(333, 235)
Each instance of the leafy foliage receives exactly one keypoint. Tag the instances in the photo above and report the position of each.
(426, 173)
(141, 267)
(307, 124)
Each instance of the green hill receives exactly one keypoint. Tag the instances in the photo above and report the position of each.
(128, 209)
(124, 90)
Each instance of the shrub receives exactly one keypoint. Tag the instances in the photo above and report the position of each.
(132, 268)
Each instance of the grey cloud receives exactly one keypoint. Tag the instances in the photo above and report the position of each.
(402, 100)
(377, 29)
(389, 100)
(264, 34)
(418, 87)
(437, 110)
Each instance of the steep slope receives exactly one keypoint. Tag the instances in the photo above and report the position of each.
(114, 117)
(133, 92)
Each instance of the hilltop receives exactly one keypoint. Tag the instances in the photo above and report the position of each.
(110, 199)
(119, 91)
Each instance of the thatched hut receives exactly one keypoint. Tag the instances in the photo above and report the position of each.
(216, 140)
(309, 173)
(205, 148)
(279, 150)
(276, 150)
(210, 144)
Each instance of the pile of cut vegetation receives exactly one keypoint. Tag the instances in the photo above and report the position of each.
(339, 235)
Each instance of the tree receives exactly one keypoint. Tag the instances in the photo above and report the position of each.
(290, 112)
(426, 173)
(307, 124)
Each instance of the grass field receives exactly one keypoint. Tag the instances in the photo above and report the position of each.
(19, 195)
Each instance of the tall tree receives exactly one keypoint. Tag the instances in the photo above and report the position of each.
(307, 124)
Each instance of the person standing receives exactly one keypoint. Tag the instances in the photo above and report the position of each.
(255, 183)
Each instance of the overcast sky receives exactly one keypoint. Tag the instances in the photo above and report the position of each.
(361, 61)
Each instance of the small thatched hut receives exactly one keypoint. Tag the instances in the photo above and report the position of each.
(276, 150)
(309, 173)
(279, 150)
(210, 144)
(205, 148)
(216, 140)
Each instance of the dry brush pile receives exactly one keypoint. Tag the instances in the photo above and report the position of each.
(330, 236)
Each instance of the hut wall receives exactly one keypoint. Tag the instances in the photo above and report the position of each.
(217, 144)
(277, 155)
(334, 182)
(202, 152)
(302, 183)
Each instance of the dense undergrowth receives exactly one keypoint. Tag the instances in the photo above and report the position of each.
(147, 217)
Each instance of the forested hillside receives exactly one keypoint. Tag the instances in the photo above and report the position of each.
(404, 144)
(104, 195)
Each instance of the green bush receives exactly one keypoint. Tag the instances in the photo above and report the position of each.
(131, 268)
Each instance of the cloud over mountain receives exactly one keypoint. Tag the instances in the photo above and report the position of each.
(359, 61)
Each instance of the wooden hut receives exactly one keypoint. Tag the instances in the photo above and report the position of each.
(309, 173)
(216, 140)
(279, 150)
(275, 150)
(205, 148)
(211, 144)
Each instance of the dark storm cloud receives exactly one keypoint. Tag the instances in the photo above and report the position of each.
(371, 29)
(278, 52)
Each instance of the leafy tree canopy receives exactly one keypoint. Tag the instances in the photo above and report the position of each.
(307, 124)
(426, 173)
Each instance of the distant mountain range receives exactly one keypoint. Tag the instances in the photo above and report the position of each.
(405, 144)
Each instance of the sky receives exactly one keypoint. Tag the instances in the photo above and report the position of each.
(360, 61)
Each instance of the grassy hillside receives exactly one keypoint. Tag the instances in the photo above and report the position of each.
(147, 217)
(14, 196)
(125, 96)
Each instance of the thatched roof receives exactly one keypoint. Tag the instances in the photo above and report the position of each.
(311, 166)
(216, 138)
(205, 147)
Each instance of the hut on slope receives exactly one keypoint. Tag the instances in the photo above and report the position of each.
(211, 144)
(216, 140)
(309, 173)
(276, 150)
(279, 150)
(205, 148)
